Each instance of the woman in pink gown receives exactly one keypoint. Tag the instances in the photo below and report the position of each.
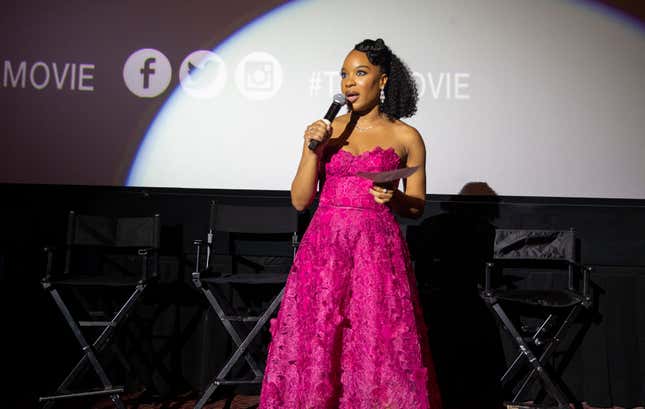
(350, 331)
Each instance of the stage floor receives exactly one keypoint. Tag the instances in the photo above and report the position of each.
(137, 401)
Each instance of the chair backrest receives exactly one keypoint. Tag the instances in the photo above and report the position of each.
(88, 230)
(109, 235)
(253, 219)
(269, 233)
(530, 249)
(548, 245)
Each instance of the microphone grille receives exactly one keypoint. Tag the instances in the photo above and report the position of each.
(340, 98)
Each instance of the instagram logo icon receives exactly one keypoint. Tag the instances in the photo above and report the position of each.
(258, 76)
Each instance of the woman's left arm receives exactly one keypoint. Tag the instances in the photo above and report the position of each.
(411, 202)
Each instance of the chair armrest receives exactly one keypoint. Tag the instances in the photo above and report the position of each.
(49, 251)
(144, 253)
(586, 276)
(196, 275)
(295, 242)
(487, 278)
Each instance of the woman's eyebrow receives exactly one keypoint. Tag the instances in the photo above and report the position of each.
(360, 66)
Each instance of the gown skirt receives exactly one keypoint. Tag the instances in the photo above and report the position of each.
(350, 332)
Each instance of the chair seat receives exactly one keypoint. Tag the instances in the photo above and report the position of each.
(251, 278)
(98, 281)
(543, 298)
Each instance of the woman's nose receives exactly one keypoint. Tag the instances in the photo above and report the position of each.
(348, 82)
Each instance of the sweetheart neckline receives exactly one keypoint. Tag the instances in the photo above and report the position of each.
(374, 149)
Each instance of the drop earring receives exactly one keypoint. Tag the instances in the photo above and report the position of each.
(382, 96)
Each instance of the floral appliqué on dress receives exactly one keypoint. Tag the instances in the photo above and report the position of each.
(350, 330)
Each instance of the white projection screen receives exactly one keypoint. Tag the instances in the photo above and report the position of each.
(534, 98)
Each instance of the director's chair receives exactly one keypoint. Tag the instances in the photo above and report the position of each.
(107, 264)
(278, 227)
(537, 316)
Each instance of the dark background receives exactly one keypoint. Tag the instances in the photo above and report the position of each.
(606, 369)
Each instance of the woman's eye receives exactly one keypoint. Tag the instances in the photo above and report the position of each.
(343, 75)
(360, 73)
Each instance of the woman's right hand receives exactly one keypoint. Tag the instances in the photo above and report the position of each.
(319, 131)
(303, 187)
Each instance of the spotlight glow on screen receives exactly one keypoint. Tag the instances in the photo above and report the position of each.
(533, 98)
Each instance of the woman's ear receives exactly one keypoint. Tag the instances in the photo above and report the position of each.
(383, 80)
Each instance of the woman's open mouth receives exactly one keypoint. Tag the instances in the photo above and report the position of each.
(352, 96)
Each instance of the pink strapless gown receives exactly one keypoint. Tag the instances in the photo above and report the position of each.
(350, 331)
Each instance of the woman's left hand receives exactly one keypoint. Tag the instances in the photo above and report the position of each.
(382, 194)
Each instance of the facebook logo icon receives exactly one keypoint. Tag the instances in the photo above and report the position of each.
(147, 73)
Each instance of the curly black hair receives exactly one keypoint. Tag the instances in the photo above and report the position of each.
(400, 90)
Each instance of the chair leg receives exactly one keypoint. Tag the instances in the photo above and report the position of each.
(251, 335)
(241, 349)
(229, 327)
(112, 393)
(207, 394)
(89, 352)
(515, 366)
(550, 348)
(88, 355)
(541, 371)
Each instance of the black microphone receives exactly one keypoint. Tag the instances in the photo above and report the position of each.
(339, 101)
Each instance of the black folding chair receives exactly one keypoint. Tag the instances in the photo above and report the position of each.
(107, 264)
(270, 231)
(539, 312)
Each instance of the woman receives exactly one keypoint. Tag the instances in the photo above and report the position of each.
(350, 332)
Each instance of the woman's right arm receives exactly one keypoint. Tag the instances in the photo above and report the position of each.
(303, 187)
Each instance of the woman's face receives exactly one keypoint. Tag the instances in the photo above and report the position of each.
(361, 82)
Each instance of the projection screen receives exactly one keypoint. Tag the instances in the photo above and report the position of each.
(534, 98)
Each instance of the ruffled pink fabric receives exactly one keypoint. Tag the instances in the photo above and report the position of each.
(350, 331)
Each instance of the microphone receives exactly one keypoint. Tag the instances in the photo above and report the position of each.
(339, 101)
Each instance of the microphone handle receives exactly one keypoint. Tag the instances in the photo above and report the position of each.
(313, 144)
(329, 116)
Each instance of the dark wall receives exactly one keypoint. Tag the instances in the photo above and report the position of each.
(607, 368)
(604, 353)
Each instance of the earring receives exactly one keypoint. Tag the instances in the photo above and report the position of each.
(382, 96)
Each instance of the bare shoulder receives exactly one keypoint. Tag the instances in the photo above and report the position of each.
(408, 136)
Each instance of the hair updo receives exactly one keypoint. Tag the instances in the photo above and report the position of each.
(400, 90)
